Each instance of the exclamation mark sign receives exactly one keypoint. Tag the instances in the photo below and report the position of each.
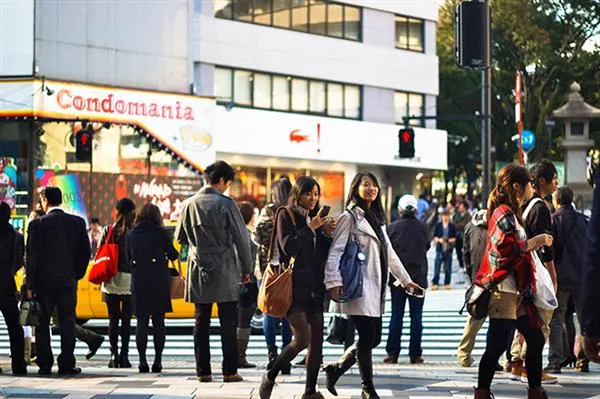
(318, 138)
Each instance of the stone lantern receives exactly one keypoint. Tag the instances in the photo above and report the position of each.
(576, 115)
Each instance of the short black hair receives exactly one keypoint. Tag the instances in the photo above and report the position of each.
(543, 169)
(4, 214)
(247, 210)
(95, 220)
(564, 195)
(52, 194)
(220, 169)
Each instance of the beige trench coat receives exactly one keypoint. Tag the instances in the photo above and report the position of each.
(370, 304)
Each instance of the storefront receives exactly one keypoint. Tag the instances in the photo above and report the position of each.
(265, 145)
(148, 146)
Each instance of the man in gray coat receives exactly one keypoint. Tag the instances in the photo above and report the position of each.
(212, 225)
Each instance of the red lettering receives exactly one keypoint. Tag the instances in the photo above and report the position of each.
(107, 104)
(78, 103)
(120, 106)
(93, 104)
(61, 100)
(167, 109)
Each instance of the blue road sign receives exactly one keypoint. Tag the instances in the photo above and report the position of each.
(528, 140)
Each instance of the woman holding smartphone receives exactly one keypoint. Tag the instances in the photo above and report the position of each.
(304, 233)
(364, 214)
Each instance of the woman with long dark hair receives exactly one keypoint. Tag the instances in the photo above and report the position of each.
(364, 214)
(149, 247)
(509, 273)
(304, 235)
(116, 292)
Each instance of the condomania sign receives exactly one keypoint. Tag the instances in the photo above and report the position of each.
(181, 123)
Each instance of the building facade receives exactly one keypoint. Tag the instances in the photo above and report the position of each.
(275, 87)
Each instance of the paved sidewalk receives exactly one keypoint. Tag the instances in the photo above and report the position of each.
(178, 381)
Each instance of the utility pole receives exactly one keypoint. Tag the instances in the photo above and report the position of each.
(486, 102)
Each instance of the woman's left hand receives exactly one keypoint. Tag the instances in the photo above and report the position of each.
(329, 226)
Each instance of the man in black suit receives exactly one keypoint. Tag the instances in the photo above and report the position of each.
(58, 252)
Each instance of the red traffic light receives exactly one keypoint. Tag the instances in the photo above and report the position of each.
(84, 137)
(406, 137)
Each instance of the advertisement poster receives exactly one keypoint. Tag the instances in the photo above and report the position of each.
(8, 181)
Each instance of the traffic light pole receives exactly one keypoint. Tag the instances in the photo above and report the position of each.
(486, 101)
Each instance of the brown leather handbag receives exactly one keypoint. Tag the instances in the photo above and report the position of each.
(176, 281)
(275, 294)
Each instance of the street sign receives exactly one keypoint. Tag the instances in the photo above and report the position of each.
(528, 140)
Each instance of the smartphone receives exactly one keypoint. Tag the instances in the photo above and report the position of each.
(324, 211)
(416, 292)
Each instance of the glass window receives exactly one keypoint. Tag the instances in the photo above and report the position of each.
(262, 12)
(224, 9)
(300, 15)
(318, 17)
(335, 20)
(317, 97)
(352, 23)
(409, 33)
(335, 99)
(409, 104)
(223, 84)
(242, 87)
(281, 13)
(242, 10)
(262, 90)
(352, 102)
(416, 105)
(400, 105)
(281, 93)
(299, 95)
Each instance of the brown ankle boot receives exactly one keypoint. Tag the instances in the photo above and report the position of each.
(537, 393)
(482, 393)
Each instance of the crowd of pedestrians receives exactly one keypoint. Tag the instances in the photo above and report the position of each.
(230, 251)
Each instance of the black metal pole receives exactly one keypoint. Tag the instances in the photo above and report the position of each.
(486, 102)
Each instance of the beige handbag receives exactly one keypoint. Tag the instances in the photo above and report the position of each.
(176, 281)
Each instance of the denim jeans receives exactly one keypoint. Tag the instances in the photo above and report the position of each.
(446, 258)
(415, 305)
(270, 325)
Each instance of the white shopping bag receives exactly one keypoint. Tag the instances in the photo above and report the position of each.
(545, 297)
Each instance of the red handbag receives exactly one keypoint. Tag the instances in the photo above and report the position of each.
(106, 262)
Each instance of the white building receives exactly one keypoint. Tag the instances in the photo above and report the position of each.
(302, 86)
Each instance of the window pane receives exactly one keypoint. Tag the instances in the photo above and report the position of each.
(223, 86)
(352, 23)
(335, 99)
(242, 10)
(335, 20)
(223, 8)
(262, 90)
(352, 102)
(281, 93)
(400, 105)
(317, 97)
(415, 108)
(318, 16)
(401, 32)
(281, 13)
(415, 34)
(262, 12)
(299, 95)
(300, 15)
(242, 81)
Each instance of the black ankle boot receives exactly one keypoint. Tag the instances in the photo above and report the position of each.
(124, 362)
(368, 392)
(334, 371)
(113, 363)
(272, 355)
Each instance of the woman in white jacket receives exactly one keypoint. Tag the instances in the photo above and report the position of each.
(364, 214)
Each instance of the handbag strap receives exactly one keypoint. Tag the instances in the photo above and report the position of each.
(273, 240)
(109, 236)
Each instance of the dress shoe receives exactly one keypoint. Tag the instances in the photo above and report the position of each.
(266, 387)
(71, 371)
(143, 368)
(113, 363)
(156, 367)
(45, 372)
(124, 362)
(416, 360)
(93, 348)
(232, 378)
(19, 371)
(391, 359)
(205, 378)
(314, 395)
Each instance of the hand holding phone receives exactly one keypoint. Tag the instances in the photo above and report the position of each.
(324, 211)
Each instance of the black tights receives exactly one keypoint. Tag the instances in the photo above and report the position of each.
(499, 333)
(141, 335)
(244, 316)
(119, 309)
(307, 328)
(369, 336)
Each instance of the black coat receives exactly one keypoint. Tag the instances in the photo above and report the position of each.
(438, 231)
(148, 249)
(411, 239)
(11, 259)
(58, 252)
(310, 251)
(569, 229)
(590, 275)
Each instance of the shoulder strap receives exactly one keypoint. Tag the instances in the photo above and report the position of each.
(273, 239)
(533, 201)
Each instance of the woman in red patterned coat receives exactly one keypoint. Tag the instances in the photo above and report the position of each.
(508, 272)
